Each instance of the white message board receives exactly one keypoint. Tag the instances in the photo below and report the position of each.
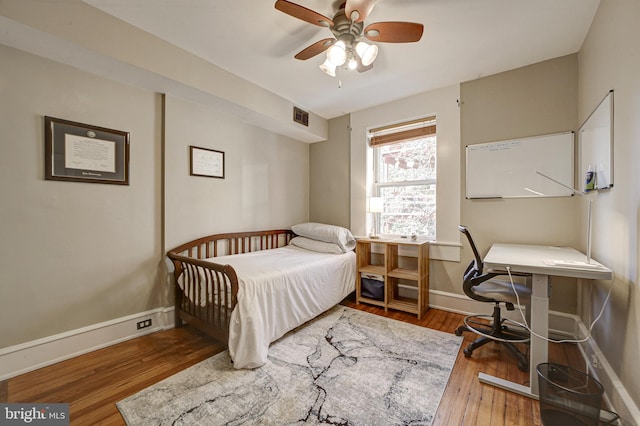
(507, 169)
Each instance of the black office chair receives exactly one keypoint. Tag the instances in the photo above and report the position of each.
(482, 286)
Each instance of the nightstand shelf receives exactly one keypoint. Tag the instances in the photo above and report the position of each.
(406, 274)
(398, 263)
(372, 302)
(372, 269)
(403, 305)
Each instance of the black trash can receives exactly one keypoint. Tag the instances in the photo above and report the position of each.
(568, 397)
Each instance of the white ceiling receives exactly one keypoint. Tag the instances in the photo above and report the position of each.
(462, 40)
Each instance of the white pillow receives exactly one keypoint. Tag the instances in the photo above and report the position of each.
(315, 245)
(327, 233)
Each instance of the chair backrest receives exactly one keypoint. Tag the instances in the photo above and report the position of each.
(479, 264)
(473, 275)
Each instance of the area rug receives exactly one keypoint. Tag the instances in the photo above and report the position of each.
(346, 367)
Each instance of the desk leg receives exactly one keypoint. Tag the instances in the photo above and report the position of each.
(539, 348)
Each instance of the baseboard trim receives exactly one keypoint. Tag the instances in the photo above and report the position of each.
(561, 325)
(29, 356)
(616, 394)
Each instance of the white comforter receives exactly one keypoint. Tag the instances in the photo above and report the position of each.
(281, 289)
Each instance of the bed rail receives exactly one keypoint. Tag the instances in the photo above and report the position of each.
(205, 291)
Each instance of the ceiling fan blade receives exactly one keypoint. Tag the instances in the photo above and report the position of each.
(303, 13)
(362, 7)
(394, 32)
(315, 48)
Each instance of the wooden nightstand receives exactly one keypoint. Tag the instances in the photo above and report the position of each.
(398, 262)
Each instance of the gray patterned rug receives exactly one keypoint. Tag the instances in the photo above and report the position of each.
(346, 367)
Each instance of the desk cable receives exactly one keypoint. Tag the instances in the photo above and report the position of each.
(593, 323)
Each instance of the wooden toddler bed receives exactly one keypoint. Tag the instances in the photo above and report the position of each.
(247, 289)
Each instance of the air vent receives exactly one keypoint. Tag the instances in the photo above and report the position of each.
(300, 116)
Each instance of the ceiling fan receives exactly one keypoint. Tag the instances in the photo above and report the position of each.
(347, 46)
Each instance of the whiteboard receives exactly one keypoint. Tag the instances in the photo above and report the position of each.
(596, 145)
(507, 169)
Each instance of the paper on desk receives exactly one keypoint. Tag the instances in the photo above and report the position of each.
(572, 264)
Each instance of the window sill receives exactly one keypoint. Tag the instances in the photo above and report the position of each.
(438, 250)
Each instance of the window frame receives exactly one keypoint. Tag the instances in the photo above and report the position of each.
(377, 185)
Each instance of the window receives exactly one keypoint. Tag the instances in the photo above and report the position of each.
(404, 162)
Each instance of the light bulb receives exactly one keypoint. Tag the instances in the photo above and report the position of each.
(367, 52)
(352, 64)
(337, 53)
(328, 68)
(361, 46)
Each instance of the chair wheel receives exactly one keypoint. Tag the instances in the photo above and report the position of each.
(467, 353)
(458, 332)
(523, 366)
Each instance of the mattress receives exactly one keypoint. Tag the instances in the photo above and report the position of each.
(279, 290)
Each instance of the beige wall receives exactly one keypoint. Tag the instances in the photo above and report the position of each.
(78, 34)
(610, 59)
(78, 254)
(535, 100)
(73, 254)
(442, 103)
(77, 282)
(266, 184)
(329, 177)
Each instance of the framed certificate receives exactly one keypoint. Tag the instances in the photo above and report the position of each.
(79, 152)
(206, 162)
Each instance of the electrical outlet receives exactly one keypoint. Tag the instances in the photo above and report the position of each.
(143, 324)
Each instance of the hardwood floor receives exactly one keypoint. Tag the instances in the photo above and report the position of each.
(94, 382)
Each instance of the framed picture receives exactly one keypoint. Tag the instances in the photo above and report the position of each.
(206, 162)
(77, 152)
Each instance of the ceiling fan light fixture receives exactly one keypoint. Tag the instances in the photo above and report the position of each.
(347, 26)
(337, 53)
(328, 68)
(367, 52)
(352, 64)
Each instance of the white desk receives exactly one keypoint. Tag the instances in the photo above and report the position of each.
(539, 261)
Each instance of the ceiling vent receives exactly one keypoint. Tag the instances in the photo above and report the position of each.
(300, 116)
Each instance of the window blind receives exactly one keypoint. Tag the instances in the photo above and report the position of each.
(404, 131)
